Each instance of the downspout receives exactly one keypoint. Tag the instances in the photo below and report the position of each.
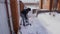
(9, 18)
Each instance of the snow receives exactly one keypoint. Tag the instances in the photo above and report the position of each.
(30, 1)
(43, 24)
(35, 28)
(50, 22)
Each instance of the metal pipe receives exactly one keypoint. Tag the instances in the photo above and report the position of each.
(8, 16)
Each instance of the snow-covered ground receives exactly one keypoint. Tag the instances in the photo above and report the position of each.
(35, 28)
(51, 23)
(43, 24)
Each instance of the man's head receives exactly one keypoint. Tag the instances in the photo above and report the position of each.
(28, 9)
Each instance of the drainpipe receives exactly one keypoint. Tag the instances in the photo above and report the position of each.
(9, 17)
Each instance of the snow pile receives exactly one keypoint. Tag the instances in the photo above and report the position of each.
(50, 22)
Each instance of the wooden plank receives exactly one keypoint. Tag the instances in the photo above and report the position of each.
(59, 5)
(41, 4)
(15, 17)
(51, 4)
(46, 4)
(55, 4)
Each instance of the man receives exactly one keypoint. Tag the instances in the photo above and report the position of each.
(24, 16)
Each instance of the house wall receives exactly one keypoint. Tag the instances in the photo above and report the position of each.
(4, 28)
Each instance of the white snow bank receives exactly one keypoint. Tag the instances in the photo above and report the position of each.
(50, 23)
